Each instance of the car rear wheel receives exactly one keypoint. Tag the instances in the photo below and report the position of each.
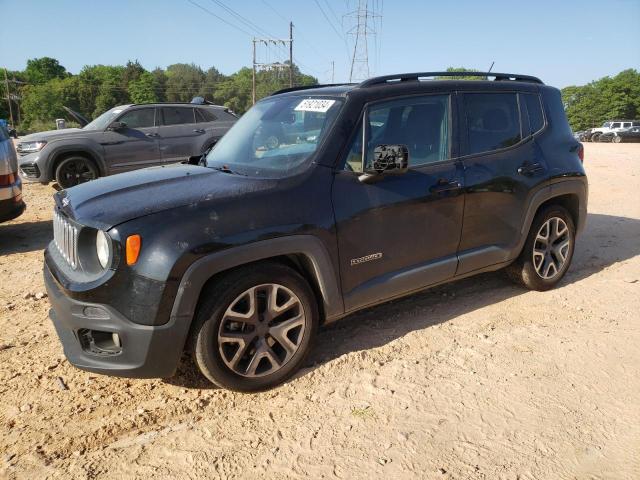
(547, 252)
(75, 170)
(254, 328)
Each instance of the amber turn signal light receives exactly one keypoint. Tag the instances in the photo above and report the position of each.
(134, 242)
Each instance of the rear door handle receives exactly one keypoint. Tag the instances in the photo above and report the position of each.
(530, 168)
(444, 185)
(198, 130)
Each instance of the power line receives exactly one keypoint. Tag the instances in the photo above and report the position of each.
(329, 21)
(218, 17)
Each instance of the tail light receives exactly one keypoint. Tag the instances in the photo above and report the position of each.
(7, 180)
(581, 153)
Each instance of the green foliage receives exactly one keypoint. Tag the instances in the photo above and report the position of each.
(142, 90)
(41, 70)
(98, 88)
(462, 77)
(605, 99)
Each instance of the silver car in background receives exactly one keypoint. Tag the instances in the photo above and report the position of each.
(11, 203)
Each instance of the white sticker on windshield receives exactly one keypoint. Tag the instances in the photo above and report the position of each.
(314, 105)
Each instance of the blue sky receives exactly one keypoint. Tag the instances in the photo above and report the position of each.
(565, 42)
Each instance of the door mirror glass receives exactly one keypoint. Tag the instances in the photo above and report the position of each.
(115, 126)
(389, 160)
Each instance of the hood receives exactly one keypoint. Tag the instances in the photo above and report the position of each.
(110, 201)
(50, 134)
(76, 116)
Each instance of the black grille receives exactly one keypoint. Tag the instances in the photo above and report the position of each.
(30, 170)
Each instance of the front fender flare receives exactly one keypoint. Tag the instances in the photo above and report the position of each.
(310, 247)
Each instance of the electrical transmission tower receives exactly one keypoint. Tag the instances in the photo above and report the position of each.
(365, 26)
(274, 66)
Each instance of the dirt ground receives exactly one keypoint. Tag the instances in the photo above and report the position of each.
(474, 380)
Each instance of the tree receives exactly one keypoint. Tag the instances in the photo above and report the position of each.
(142, 90)
(605, 99)
(41, 70)
(183, 82)
(461, 77)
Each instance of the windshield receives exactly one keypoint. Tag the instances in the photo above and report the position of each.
(103, 121)
(606, 124)
(276, 136)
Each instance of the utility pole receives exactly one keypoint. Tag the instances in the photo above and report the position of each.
(277, 66)
(290, 54)
(365, 27)
(253, 78)
(6, 84)
(333, 71)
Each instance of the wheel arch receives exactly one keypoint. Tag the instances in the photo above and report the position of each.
(303, 253)
(60, 154)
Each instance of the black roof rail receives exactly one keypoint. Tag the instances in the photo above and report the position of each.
(404, 77)
(307, 87)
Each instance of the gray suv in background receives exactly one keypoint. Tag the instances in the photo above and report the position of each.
(125, 138)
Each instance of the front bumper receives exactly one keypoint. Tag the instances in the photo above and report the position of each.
(30, 169)
(144, 351)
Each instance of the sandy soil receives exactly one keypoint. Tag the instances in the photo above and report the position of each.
(474, 380)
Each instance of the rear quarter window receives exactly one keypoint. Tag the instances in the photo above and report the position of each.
(493, 121)
(204, 115)
(534, 108)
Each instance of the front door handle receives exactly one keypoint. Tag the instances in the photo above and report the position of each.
(198, 130)
(151, 134)
(444, 185)
(529, 169)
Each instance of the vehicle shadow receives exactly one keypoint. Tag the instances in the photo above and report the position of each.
(25, 237)
(606, 240)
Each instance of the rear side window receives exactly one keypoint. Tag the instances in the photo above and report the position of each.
(205, 115)
(534, 107)
(493, 121)
(139, 118)
(177, 115)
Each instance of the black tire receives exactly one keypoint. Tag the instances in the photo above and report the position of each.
(206, 347)
(523, 271)
(75, 170)
(595, 137)
(616, 139)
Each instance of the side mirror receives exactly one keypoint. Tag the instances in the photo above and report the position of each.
(387, 160)
(115, 126)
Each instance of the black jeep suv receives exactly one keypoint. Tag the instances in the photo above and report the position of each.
(318, 202)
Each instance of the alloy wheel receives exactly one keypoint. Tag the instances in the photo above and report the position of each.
(261, 330)
(76, 172)
(551, 248)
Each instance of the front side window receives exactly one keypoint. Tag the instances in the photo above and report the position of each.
(615, 125)
(177, 115)
(276, 136)
(493, 121)
(419, 123)
(139, 118)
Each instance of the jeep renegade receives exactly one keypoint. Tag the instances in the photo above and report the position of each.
(320, 201)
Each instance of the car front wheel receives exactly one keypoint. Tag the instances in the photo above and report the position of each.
(73, 171)
(254, 327)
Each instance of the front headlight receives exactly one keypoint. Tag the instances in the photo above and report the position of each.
(102, 248)
(30, 147)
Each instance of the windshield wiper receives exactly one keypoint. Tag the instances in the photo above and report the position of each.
(226, 169)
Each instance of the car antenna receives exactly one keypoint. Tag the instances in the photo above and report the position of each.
(486, 77)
